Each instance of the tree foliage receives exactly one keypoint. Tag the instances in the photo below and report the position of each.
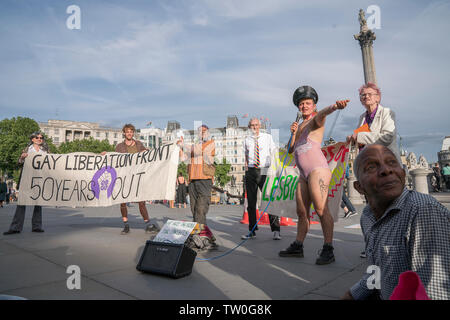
(221, 176)
(182, 169)
(14, 137)
(85, 145)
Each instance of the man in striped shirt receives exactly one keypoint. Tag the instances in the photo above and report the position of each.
(403, 230)
(258, 150)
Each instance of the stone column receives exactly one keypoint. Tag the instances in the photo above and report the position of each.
(366, 38)
(420, 180)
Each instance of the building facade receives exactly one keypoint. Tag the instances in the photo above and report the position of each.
(229, 144)
(65, 131)
(151, 137)
(444, 154)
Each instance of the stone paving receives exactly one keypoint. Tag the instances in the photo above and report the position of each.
(34, 265)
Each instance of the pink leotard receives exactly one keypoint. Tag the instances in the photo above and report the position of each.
(308, 155)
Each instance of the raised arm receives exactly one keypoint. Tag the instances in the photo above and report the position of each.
(322, 114)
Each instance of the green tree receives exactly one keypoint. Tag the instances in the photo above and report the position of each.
(86, 145)
(182, 169)
(14, 137)
(221, 176)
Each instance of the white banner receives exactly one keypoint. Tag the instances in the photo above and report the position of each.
(85, 179)
(283, 197)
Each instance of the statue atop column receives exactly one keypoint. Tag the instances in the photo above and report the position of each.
(362, 21)
(366, 38)
(411, 161)
(423, 163)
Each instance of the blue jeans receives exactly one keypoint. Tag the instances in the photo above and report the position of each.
(346, 202)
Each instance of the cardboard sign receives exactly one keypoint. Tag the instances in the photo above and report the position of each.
(175, 231)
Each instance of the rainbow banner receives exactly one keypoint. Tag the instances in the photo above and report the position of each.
(283, 196)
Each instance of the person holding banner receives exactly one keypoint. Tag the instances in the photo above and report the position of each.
(36, 145)
(315, 174)
(378, 121)
(130, 145)
(258, 150)
(201, 172)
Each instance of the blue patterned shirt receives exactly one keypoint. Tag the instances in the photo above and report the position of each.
(413, 234)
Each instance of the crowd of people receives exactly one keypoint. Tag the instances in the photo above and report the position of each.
(403, 230)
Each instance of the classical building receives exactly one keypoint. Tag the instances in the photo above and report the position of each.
(444, 154)
(64, 131)
(229, 143)
(151, 137)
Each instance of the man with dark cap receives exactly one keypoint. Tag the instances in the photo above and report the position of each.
(315, 175)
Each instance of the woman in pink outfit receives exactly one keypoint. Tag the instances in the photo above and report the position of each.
(315, 175)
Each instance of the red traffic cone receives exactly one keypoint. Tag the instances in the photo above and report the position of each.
(245, 216)
(264, 220)
(286, 222)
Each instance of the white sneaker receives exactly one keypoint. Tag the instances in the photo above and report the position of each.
(249, 236)
(352, 213)
(276, 235)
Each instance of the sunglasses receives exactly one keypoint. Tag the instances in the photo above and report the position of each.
(40, 138)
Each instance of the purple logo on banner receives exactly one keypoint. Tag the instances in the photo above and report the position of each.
(100, 181)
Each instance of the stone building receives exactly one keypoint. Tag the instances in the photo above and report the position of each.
(65, 131)
(151, 137)
(229, 143)
(444, 154)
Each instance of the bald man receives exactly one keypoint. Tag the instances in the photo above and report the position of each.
(403, 230)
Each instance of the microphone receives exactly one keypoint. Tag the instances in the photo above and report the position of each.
(299, 115)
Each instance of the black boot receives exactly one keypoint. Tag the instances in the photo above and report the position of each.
(126, 229)
(326, 255)
(294, 250)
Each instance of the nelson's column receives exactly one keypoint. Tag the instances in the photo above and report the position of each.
(365, 38)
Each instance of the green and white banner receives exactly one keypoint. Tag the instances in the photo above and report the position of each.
(283, 197)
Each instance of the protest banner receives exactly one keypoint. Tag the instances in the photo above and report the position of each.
(85, 179)
(283, 196)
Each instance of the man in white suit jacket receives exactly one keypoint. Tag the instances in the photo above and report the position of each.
(381, 121)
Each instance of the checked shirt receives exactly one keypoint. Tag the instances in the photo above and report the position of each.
(413, 234)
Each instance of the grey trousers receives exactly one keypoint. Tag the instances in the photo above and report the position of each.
(200, 197)
(19, 218)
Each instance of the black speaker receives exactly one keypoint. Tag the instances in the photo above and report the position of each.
(173, 260)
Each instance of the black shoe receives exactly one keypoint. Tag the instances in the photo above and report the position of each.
(7, 233)
(326, 255)
(126, 229)
(363, 254)
(294, 250)
(151, 228)
(37, 230)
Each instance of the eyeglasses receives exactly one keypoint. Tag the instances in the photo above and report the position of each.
(367, 94)
(39, 138)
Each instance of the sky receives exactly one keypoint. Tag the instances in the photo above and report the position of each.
(137, 61)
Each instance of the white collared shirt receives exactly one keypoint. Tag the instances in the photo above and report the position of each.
(32, 149)
(266, 149)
